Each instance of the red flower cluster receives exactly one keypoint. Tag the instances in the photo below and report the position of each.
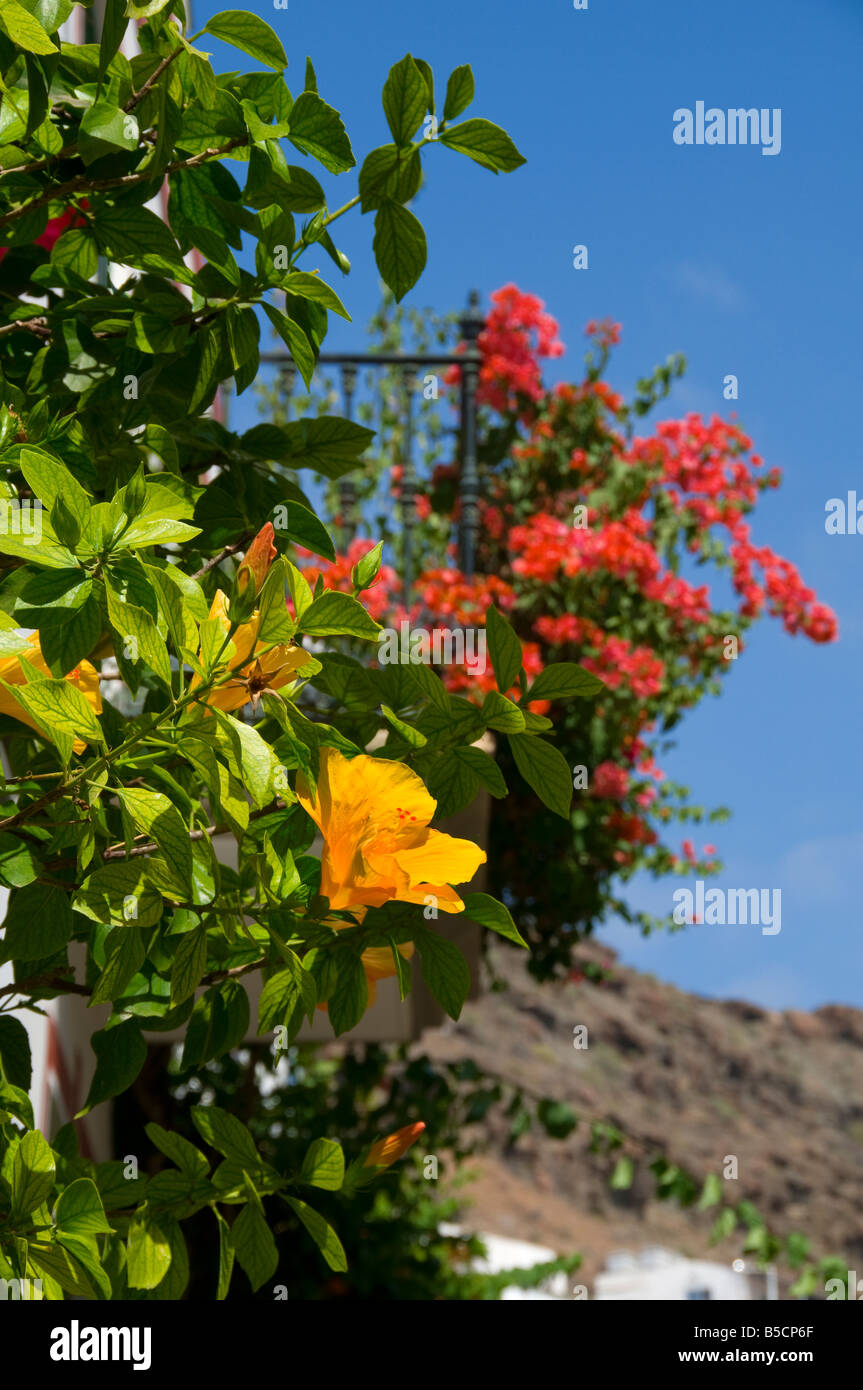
(447, 593)
(782, 588)
(547, 546)
(610, 781)
(631, 828)
(612, 658)
(517, 332)
(474, 681)
(700, 465)
(605, 331)
(647, 499)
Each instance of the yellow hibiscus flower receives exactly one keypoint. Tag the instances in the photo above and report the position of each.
(373, 815)
(254, 675)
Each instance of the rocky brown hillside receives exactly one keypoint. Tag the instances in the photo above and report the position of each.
(697, 1079)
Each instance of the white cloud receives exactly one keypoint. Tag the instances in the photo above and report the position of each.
(710, 284)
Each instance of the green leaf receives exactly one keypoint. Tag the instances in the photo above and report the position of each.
(430, 686)
(52, 1259)
(84, 1257)
(104, 129)
(328, 444)
(309, 286)
(558, 1118)
(624, 1172)
(210, 343)
(76, 251)
(488, 912)
(501, 714)
(15, 1063)
(459, 92)
(281, 994)
(16, 1102)
(38, 923)
(249, 33)
(253, 1244)
(724, 1225)
(225, 1133)
(120, 893)
(324, 1165)
(484, 142)
(405, 99)
(389, 173)
(120, 1054)
(451, 782)
(126, 233)
(144, 9)
(321, 1233)
(711, 1193)
(484, 768)
(317, 130)
(303, 527)
(125, 953)
(173, 1286)
(79, 1210)
(545, 770)
(175, 604)
(563, 680)
(18, 864)
(33, 1171)
(504, 649)
(295, 341)
(255, 757)
(156, 530)
(336, 614)
(187, 1158)
(399, 246)
(48, 552)
(51, 481)
(137, 633)
(148, 1252)
(444, 970)
(226, 1255)
(65, 524)
(71, 639)
(114, 25)
(428, 77)
(350, 994)
(24, 29)
(411, 736)
(243, 335)
(190, 962)
(367, 568)
(219, 1022)
(153, 814)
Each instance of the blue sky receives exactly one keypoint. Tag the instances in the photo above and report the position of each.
(746, 263)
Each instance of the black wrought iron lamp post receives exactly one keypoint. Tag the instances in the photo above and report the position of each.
(470, 325)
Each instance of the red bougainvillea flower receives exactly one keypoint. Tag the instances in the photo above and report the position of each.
(610, 781)
(55, 228)
(517, 332)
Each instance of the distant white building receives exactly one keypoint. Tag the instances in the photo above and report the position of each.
(659, 1274)
(503, 1253)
